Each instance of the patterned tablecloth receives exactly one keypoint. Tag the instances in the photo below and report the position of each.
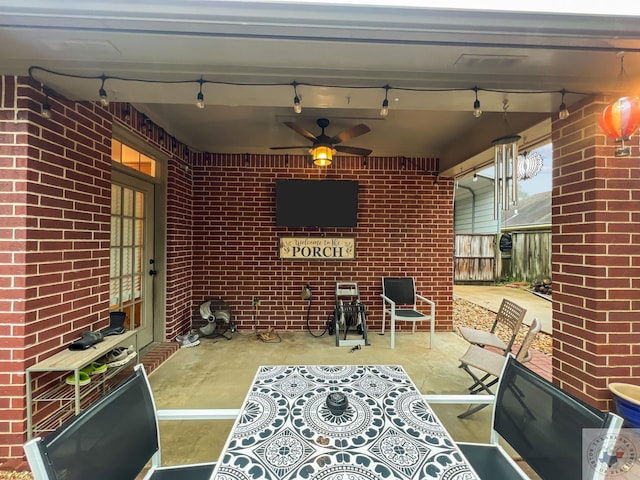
(286, 431)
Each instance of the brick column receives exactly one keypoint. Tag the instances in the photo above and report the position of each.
(595, 258)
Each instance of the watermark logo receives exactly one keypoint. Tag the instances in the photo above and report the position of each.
(612, 455)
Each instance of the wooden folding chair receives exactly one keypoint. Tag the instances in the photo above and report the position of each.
(491, 364)
(509, 316)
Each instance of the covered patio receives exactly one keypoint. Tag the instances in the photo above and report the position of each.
(213, 224)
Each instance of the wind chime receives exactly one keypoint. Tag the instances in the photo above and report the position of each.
(505, 194)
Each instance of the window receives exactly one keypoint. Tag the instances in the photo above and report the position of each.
(132, 158)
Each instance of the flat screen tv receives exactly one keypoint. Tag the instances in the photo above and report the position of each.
(316, 203)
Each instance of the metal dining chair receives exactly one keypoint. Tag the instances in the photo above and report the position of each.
(400, 302)
(115, 438)
(543, 424)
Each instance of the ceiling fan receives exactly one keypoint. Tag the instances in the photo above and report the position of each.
(323, 144)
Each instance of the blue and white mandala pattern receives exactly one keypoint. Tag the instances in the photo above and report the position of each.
(286, 431)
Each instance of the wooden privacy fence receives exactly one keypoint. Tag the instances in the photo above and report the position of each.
(531, 256)
(477, 257)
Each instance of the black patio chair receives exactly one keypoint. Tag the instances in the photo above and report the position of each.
(115, 438)
(400, 302)
(544, 425)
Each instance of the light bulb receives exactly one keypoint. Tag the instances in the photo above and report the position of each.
(475, 177)
(104, 99)
(384, 111)
(296, 104)
(477, 111)
(563, 112)
(200, 100)
(46, 109)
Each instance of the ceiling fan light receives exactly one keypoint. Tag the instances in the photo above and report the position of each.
(322, 155)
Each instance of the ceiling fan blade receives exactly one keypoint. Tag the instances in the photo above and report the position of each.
(298, 129)
(287, 148)
(350, 133)
(363, 152)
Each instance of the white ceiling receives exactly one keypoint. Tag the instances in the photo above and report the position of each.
(356, 48)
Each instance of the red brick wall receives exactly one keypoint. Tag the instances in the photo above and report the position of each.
(54, 226)
(405, 227)
(179, 248)
(54, 234)
(55, 183)
(596, 257)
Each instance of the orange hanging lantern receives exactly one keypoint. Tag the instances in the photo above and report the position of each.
(620, 120)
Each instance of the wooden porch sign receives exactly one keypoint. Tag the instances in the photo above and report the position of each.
(317, 248)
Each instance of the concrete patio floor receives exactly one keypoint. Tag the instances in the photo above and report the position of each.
(218, 373)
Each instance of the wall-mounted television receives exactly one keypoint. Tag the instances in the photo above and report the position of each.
(316, 203)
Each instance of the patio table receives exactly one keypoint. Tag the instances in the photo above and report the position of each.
(286, 430)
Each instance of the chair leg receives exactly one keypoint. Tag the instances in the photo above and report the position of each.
(433, 331)
(477, 387)
(384, 317)
(393, 332)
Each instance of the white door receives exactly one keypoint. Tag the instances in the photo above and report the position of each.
(132, 269)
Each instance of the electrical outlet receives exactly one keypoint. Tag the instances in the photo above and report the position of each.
(256, 301)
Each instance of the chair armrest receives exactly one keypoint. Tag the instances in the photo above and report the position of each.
(424, 299)
(199, 414)
(388, 300)
(458, 399)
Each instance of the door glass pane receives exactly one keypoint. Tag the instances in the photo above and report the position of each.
(114, 294)
(114, 268)
(139, 213)
(127, 261)
(127, 202)
(116, 200)
(139, 260)
(127, 232)
(127, 289)
(139, 233)
(137, 290)
(115, 231)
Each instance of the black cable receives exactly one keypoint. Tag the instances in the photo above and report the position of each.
(309, 326)
(201, 81)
